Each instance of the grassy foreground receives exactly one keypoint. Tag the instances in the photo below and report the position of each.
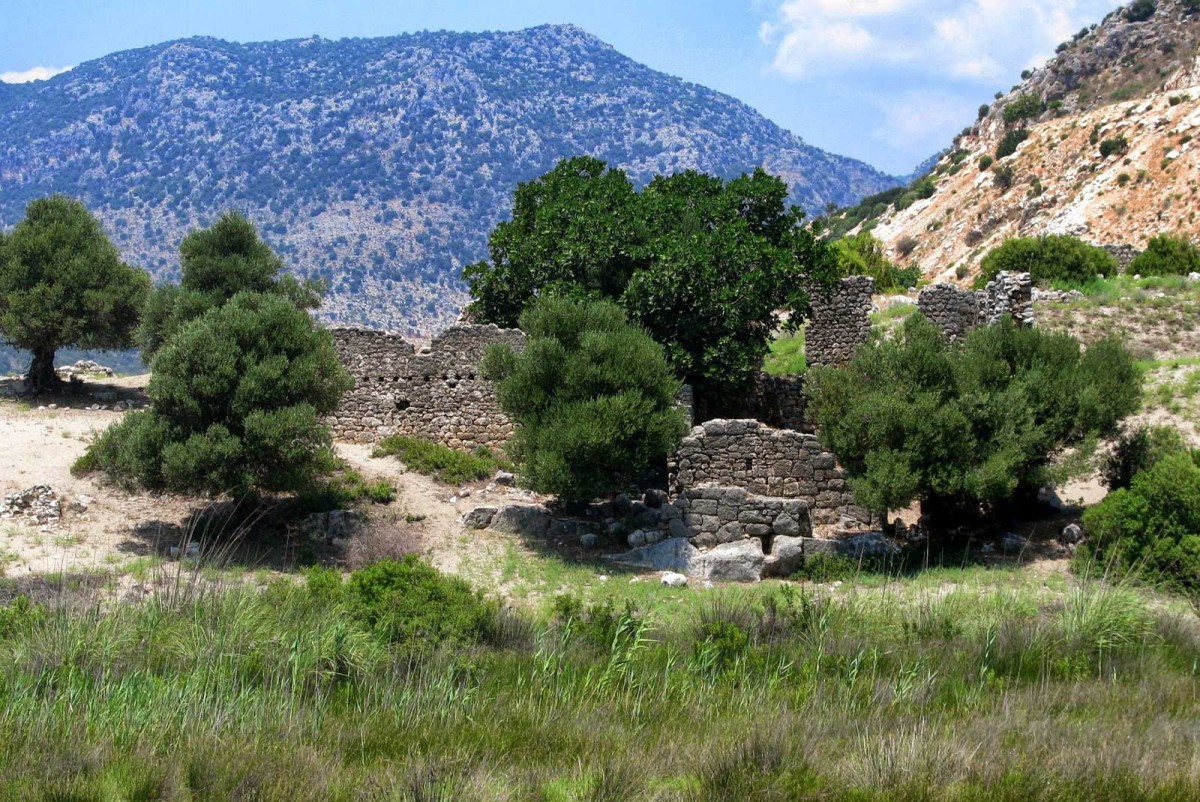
(963, 688)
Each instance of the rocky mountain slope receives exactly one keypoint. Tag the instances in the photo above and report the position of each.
(379, 164)
(1104, 150)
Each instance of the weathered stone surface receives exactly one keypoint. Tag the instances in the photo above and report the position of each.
(522, 520)
(676, 554)
(840, 320)
(480, 517)
(759, 461)
(957, 312)
(674, 580)
(787, 556)
(436, 393)
(741, 561)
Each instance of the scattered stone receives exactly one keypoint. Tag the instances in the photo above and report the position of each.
(522, 520)
(193, 549)
(480, 517)
(871, 544)
(505, 478)
(38, 505)
(636, 539)
(674, 580)
(1194, 277)
(1072, 534)
(81, 503)
(589, 541)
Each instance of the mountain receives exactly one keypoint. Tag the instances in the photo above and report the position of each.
(378, 164)
(1104, 150)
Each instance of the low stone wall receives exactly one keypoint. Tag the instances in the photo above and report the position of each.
(718, 515)
(435, 393)
(1124, 254)
(764, 461)
(957, 311)
(839, 322)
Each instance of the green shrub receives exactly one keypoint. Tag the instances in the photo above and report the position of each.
(1167, 255)
(600, 624)
(1010, 141)
(1152, 527)
(984, 108)
(985, 161)
(439, 461)
(1114, 145)
(237, 399)
(967, 425)
(593, 397)
(346, 490)
(1003, 176)
(1022, 108)
(1140, 10)
(1138, 450)
(1049, 259)
(864, 255)
(410, 603)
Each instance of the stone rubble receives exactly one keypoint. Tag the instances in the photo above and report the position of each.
(37, 506)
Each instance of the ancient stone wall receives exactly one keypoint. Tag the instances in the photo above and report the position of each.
(840, 321)
(1124, 254)
(717, 515)
(435, 393)
(957, 311)
(766, 462)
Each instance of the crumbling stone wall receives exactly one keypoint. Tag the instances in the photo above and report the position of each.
(957, 311)
(778, 401)
(839, 322)
(717, 515)
(1124, 254)
(436, 392)
(764, 461)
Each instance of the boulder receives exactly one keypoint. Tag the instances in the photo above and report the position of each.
(786, 558)
(623, 504)
(1071, 534)
(674, 580)
(589, 541)
(741, 561)
(654, 498)
(869, 544)
(505, 478)
(676, 554)
(517, 519)
(636, 539)
(1013, 543)
(479, 518)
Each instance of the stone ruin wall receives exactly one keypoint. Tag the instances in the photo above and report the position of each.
(957, 311)
(435, 393)
(766, 462)
(840, 320)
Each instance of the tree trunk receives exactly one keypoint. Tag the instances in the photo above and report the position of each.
(41, 377)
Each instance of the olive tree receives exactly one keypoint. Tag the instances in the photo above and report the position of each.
(62, 283)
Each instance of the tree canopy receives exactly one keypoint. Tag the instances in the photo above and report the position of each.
(966, 425)
(1049, 259)
(592, 394)
(62, 283)
(237, 396)
(702, 264)
(217, 263)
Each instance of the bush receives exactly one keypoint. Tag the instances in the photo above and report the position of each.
(1022, 108)
(1140, 10)
(1049, 259)
(864, 255)
(985, 161)
(968, 425)
(237, 398)
(1114, 145)
(1167, 255)
(1137, 451)
(441, 462)
(593, 397)
(410, 603)
(1003, 176)
(1153, 527)
(1011, 140)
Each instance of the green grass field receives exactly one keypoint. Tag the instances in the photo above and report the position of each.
(952, 684)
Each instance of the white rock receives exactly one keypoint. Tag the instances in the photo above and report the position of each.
(673, 580)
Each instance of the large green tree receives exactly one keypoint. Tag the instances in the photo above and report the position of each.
(62, 283)
(965, 426)
(592, 394)
(703, 264)
(237, 396)
(217, 263)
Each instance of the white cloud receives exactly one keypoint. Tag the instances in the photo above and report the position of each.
(31, 74)
(982, 41)
(918, 121)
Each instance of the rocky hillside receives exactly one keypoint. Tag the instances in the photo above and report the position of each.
(1103, 150)
(379, 164)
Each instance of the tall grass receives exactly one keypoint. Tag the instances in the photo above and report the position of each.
(278, 694)
(441, 462)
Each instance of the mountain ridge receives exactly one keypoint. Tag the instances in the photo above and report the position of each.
(378, 164)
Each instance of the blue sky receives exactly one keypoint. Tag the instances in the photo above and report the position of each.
(887, 81)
